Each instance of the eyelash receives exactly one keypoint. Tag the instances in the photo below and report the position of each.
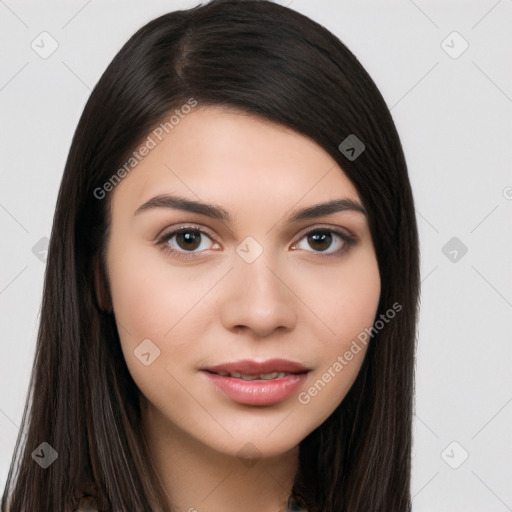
(163, 242)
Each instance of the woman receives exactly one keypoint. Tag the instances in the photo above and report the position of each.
(230, 302)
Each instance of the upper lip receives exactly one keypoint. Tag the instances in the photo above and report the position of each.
(251, 367)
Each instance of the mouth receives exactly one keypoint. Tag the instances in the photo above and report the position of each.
(257, 383)
(252, 368)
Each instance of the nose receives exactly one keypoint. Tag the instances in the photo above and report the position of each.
(258, 299)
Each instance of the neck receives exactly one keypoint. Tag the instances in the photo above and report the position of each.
(198, 478)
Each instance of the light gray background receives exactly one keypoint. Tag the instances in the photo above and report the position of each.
(454, 118)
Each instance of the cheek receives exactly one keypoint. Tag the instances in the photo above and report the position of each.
(343, 297)
(156, 301)
(136, 297)
(146, 307)
(149, 297)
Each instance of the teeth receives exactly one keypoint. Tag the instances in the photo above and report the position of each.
(263, 376)
(246, 377)
(269, 376)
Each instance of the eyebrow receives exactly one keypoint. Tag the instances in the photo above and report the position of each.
(219, 213)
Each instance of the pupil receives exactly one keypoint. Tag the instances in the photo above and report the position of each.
(188, 239)
(318, 240)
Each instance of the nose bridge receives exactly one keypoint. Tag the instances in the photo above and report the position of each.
(257, 299)
(261, 282)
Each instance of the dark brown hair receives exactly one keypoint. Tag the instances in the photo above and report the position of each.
(269, 61)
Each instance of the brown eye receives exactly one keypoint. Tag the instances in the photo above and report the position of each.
(320, 240)
(326, 242)
(186, 240)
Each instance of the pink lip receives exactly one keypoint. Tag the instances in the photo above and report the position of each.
(257, 392)
(250, 367)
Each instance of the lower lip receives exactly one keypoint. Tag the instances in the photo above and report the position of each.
(257, 392)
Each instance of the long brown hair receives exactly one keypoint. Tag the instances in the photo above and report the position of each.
(269, 61)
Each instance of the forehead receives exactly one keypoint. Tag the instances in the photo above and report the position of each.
(233, 158)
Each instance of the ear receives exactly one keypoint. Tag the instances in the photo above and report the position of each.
(101, 287)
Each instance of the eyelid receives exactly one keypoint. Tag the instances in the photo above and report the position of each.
(347, 237)
(199, 227)
(166, 234)
(171, 230)
(342, 231)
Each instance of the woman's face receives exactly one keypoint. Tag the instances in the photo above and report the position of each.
(256, 285)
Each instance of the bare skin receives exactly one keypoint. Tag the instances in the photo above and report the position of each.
(301, 299)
